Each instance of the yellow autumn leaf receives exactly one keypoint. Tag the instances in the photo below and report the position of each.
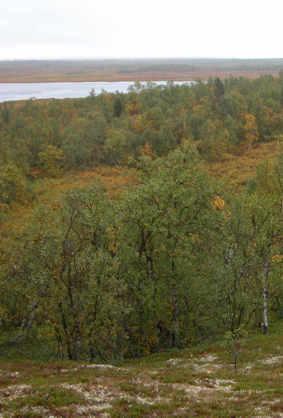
(218, 203)
(278, 258)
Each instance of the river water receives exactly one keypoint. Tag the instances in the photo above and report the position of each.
(25, 91)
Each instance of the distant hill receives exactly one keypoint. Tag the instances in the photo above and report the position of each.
(135, 69)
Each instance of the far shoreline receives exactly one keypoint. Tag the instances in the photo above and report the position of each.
(142, 77)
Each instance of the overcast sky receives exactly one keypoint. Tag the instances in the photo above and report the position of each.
(147, 28)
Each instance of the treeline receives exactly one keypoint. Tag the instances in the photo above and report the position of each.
(172, 261)
(50, 137)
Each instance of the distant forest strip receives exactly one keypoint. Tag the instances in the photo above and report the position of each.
(135, 70)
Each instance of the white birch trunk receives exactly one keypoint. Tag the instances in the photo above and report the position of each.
(265, 323)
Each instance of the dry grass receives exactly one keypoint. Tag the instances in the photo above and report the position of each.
(238, 169)
(234, 170)
(49, 191)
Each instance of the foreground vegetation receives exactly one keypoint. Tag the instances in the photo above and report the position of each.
(117, 242)
(172, 261)
(187, 383)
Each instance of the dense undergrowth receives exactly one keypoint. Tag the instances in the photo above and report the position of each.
(49, 138)
(156, 254)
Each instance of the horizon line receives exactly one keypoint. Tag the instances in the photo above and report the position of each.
(137, 58)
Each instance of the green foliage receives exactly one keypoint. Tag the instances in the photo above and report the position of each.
(117, 107)
(12, 184)
(166, 264)
(233, 343)
(220, 116)
(51, 160)
(178, 258)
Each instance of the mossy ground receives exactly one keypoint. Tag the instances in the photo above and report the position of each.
(187, 383)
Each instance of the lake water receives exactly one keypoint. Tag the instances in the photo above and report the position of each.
(25, 91)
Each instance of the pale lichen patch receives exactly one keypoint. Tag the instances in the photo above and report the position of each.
(272, 360)
(14, 391)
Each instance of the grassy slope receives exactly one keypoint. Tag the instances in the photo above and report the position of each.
(187, 383)
(234, 170)
(49, 191)
(237, 170)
